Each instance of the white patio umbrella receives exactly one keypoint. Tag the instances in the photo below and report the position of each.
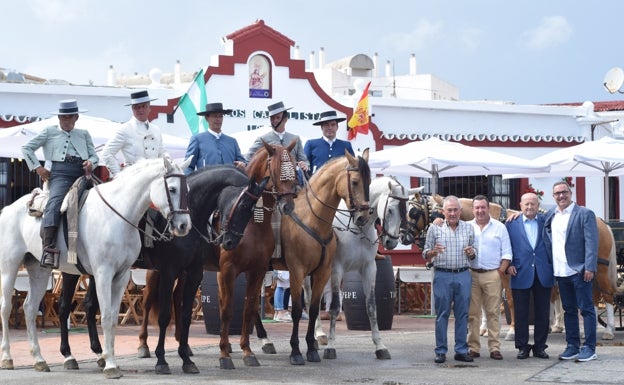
(12, 139)
(434, 158)
(600, 158)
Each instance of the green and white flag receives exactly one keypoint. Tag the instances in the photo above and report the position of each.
(193, 101)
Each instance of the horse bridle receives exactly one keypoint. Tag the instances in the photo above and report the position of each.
(402, 213)
(165, 235)
(421, 207)
(354, 207)
(287, 173)
(226, 223)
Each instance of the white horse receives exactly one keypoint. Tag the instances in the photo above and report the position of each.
(356, 250)
(108, 244)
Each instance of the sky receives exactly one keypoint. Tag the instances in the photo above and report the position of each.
(525, 52)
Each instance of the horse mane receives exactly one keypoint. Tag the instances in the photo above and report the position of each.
(130, 172)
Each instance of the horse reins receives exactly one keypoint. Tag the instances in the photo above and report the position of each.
(183, 207)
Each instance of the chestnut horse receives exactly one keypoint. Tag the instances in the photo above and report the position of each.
(253, 253)
(308, 243)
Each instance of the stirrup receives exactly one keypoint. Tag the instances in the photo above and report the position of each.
(50, 258)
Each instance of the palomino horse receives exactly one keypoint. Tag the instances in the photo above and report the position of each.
(253, 254)
(223, 188)
(356, 250)
(108, 244)
(308, 243)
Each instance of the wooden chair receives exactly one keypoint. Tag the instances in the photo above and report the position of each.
(133, 296)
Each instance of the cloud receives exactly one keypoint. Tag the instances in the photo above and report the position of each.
(471, 38)
(424, 34)
(58, 11)
(552, 31)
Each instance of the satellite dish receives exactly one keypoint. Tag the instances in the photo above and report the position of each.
(614, 79)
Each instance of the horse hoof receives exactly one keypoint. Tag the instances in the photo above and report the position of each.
(322, 340)
(607, 336)
(71, 364)
(329, 354)
(143, 352)
(269, 348)
(7, 364)
(190, 368)
(112, 373)
(226, 363)
(163, 369)
(251, 361)
(297, 360)
(101, 362)
(383, 354)
(313, 356)
(42, 366)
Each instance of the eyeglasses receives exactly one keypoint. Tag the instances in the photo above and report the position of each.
(561, 193)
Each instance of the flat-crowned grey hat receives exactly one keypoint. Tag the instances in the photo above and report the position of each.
(139, 97)
(277, 108)
(328, 116)
(68, 107)
(214, 107)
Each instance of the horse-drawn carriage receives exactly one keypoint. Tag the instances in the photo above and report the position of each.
(617, 228)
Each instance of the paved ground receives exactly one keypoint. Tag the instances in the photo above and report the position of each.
(410, 341)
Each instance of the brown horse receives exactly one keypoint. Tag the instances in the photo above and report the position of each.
(266, 163)
(308, 243)
(253, 253)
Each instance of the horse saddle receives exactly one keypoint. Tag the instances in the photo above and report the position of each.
(38, 201)
(74, 200)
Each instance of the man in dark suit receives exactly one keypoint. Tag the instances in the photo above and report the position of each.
(531, 274)
(319, 151)
(571, 239)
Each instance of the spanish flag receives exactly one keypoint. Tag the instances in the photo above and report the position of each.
(359, 120)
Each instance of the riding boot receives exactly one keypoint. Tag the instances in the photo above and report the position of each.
(50, 253)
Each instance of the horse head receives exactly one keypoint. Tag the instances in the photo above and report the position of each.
(357, 194)
(391, 211)
(239, 210)
(277, 163)
(418, 218)
(170, 196)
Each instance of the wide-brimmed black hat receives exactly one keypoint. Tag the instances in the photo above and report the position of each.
(328, 116)
(277, 108)
(214, 107)
(68, 107)
(139, 97)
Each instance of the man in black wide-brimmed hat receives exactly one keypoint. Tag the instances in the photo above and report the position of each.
(137, 138)
(213, 146)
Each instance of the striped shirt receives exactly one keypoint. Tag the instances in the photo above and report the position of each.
(454, 242)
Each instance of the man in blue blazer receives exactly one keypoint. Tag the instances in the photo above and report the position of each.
(571, 240)
(319, 151)
(213, 146)
(70, 151)
(531, 273)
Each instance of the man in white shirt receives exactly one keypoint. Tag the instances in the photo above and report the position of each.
(136, 139)
(493, 258)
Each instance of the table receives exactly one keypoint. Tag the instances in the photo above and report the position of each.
(415, 274)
